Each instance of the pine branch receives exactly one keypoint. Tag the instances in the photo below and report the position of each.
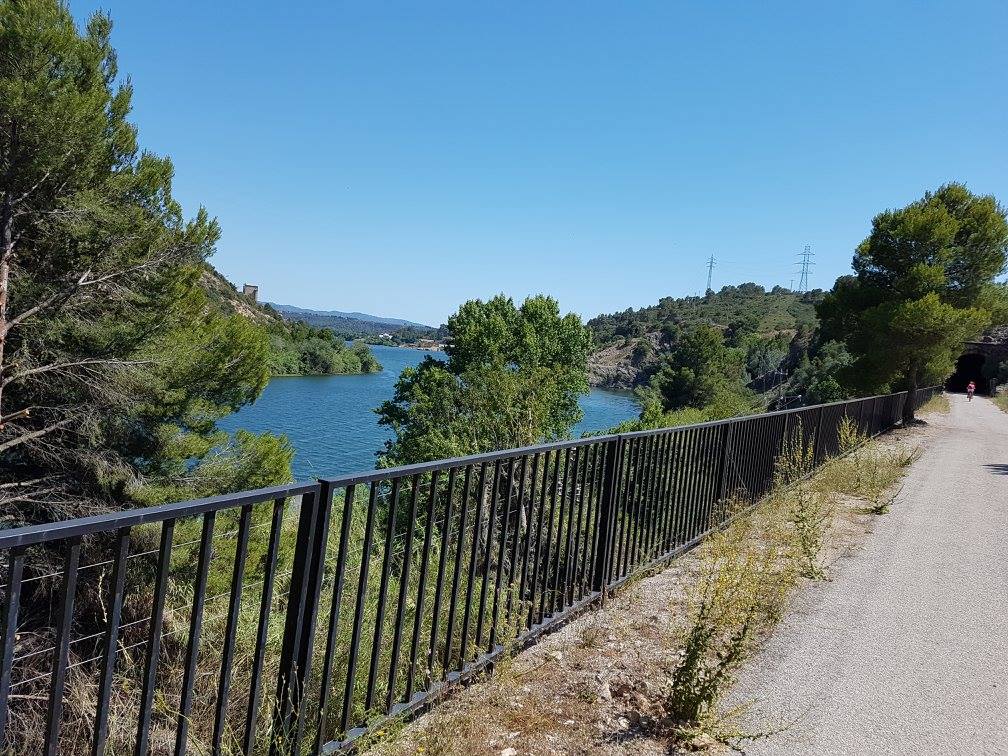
(35, 434)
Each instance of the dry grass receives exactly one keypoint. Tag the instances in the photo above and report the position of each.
(938, 404)
(1001, 400)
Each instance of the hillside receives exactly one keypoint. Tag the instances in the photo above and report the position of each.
(629, 343)
(302, 313)
(357, 325)
(296, 348)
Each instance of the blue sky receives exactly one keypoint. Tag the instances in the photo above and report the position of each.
(401, 158)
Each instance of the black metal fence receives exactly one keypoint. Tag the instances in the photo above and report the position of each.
(257, 622)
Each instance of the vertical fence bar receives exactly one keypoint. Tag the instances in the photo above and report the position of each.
(564, 567)
(606, 515)
(154, 638)
(591, 520)
(670, 511)
(574, 561)
(12, 602)
(404, 577)
(536, 556)
(418, 612)
(505, 520)
(457, 571)
(528, 552)
(291, 674)
(562, 519)
(488, 551)
(382, 595)
(322, 515)
(477, 525)
(262, 629)
(322, 721)
(359, 608)
(116, 588)
(195, 628)
(234, 606)
(513, 562)
(62, 650)
(442, 568)
(549, 537)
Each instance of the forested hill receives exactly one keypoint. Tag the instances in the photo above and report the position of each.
(295, 348)
(356, 325)
(761, 322)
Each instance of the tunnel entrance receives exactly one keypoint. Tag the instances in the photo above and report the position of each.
(969, 367)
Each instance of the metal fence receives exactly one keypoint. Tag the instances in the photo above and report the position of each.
(293, 619)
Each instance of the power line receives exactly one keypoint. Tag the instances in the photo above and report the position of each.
(710, 270)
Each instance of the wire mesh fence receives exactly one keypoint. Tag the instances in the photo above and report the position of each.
(293, 619)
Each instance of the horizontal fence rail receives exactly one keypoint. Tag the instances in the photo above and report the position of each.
(294, 619)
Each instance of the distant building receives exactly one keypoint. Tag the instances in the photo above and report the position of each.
(250, 291)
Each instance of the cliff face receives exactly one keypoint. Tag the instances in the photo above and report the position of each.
(614, 366)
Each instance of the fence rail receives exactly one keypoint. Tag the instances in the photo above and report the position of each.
(293, 619)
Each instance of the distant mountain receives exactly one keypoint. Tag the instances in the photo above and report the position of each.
(303, 311)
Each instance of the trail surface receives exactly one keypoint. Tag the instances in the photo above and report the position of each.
(905, 650)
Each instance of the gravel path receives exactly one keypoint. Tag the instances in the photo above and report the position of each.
(904, 650)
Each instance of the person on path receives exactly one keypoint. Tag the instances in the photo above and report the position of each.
(970, 388)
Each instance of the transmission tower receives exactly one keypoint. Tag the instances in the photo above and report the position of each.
(805, 262)
(710, 271)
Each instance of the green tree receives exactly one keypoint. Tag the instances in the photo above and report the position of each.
(817, 378)
(700, 371)
(113, 365)
(512, 378)
(923, 284)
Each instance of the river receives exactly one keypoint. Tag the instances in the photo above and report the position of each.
(331, 423)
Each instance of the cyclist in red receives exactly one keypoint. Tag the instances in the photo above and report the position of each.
(969, 391)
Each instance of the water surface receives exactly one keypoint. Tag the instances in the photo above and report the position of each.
(331, 423)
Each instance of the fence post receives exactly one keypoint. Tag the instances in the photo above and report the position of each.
(302, 613)
(606, 514)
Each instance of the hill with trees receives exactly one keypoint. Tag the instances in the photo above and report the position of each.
(295, 347)
(357, 325)
(630, 344)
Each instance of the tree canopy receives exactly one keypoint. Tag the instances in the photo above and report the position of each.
(923, 284)
(113, 365)
(512, 378)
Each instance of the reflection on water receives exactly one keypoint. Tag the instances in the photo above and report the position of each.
(330, 420)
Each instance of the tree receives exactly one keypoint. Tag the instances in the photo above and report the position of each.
(699, 371)
(113, 364)
(512, 378)
(817, 379)
(923, 284)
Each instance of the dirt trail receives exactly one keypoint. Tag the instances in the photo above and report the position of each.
(905, 649)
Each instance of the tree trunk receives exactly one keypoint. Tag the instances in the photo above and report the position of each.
(6, 256)
(910, 404)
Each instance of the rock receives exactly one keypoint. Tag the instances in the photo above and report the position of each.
(605, 692)
(509, 751)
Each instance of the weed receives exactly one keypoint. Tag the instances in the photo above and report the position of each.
(747, 572)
